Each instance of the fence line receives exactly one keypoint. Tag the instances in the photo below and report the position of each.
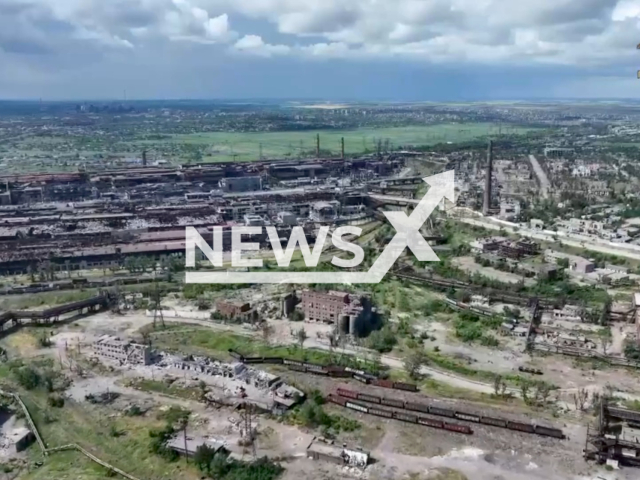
(46, 451)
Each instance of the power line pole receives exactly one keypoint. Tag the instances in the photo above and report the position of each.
(318, 145)
(247, 417)
(186, 452)
(342, 147)
(157, 313)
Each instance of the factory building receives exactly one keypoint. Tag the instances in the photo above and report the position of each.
(352, 314)
(241, 311)
(324, 211)
(241, 184)
(113, 348)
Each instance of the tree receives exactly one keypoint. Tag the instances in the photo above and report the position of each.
(542, 392)
(202, 387)
(296, 316)
(499, 385)
(301, 337)
(606, 339)
(580, 399)
(563, 263)
(131, 264)
(402, 301)
(382, 340)
(414, 362)
(203, 458)
(632, 351)
(525, 387)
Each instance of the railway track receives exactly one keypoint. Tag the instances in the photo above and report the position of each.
(447, 413)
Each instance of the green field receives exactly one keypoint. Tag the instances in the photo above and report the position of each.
(227, 146)
(68, 154)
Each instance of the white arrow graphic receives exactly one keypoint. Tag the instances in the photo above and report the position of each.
(407, 235)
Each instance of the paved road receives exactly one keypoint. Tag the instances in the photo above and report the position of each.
(542, 177)
(623, 250)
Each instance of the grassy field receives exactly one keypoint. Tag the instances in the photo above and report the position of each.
(205, 341)
(90, 428)
(225, 146)
(244, 147)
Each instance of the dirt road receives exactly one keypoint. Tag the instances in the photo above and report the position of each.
(542, 176)
(439, 375)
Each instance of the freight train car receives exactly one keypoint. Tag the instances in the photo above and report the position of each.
(454, 427)
(405, 417)
(441, 412)
(496, 422)
(287, 361)
(549, 432)
(347, 393)
(382, 383)
(417, 407)
(390, 402)
(467, 417)
(430, 422)
(357, 406)
(368, 398)
(380, 412)
(409, 387)
(274, 360)
(521, 427)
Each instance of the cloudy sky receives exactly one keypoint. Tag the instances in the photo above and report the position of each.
(337, 49)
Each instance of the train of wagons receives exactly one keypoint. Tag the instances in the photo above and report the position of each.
(402, 416)
(339, 371)
(336, 371)
(350, 396)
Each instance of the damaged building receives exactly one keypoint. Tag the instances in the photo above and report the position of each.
(115, 349)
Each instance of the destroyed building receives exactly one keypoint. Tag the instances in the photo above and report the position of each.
(321, 449)
(240, 383)
(353, 314)
(240, 311)
(113, 348)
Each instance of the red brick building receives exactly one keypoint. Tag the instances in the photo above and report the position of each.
(238, 310)
(324, 306)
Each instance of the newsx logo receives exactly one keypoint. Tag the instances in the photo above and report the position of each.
(407, 235)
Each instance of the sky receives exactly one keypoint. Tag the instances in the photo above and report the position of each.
(403, 50)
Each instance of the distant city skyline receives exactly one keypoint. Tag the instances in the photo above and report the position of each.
(404, 50)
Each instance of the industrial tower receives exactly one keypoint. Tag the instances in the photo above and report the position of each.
(486, 206)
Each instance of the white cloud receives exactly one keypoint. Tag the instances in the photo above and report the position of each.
(571, 32)
(254, 45)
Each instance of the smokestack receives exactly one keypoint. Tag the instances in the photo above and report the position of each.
(318, 145)
(342, 147)
(486, 206)
(144, 158)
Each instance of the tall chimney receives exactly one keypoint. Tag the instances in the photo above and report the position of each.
(486, 206)
(342, 148)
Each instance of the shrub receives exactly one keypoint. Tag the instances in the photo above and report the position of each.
(27, 377)
(382, 340)
(55, 401)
